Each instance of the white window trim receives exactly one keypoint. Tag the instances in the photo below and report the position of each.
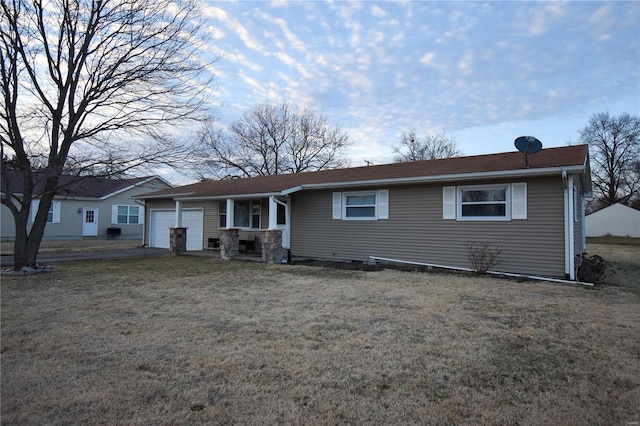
(114, 214)
(381, 206)
(507, 202)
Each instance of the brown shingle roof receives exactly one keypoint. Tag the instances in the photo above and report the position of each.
(504, 162)
(74, 186)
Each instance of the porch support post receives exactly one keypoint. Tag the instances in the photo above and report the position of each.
(273, 212)
(178, 214)
(229, 213)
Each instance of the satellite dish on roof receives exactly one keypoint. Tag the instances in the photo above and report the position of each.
(527, 145)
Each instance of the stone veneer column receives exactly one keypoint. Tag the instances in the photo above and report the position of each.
(229, 243)
(272, 246)
(178, 240)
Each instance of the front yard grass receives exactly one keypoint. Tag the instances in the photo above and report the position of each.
(187, 340)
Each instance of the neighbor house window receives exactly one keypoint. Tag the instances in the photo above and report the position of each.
(362, 205)
(53, 215)
(50, 213)
(127, 215)
(483, 202)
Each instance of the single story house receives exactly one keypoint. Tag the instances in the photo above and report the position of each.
(616, 220)
(87, 207)
(424, 211)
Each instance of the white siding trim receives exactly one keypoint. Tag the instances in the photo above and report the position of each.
(519, 200)
(383, 204)
(449, 207)
(337, 205)
(569, 246)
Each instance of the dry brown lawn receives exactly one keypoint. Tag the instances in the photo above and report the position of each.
(186, 340)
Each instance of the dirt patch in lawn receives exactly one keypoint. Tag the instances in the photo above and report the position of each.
(186, 340)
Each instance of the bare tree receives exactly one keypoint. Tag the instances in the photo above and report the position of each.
(91, 84)
(614, 147)
(273, 139)
(432, 147)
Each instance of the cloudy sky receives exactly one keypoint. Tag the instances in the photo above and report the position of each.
(484, 72)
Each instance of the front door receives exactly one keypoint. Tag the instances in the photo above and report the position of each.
(89, 222)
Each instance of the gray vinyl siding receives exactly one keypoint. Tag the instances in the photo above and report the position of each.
(415, 230)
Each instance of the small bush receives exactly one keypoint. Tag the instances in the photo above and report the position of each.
(591, 269)
(482, 256)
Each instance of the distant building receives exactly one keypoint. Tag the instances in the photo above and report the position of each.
(88, 207)
(617, 220)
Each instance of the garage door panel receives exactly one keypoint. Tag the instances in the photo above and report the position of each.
(162, 220)
(192, 220)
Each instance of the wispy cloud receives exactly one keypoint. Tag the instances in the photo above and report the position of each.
(293, 41)
(384, 67)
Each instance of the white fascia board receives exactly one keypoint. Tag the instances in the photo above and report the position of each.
(292, 190)
(174, 196)
(232, 196)
(439, 178)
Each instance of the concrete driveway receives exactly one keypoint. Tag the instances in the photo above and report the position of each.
(6, 262)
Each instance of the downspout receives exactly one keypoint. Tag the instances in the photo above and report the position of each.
(571, 231)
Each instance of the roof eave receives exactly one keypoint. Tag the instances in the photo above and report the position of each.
(439, 178)
(160, 196)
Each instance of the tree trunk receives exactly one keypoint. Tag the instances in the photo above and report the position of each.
(27, 244)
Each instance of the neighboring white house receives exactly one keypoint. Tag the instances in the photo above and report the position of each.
(87, 207)
(616, 220)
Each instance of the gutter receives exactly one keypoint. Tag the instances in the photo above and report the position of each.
(225, 197)
(456, 268)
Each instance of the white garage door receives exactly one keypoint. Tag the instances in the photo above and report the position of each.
(162, 220)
